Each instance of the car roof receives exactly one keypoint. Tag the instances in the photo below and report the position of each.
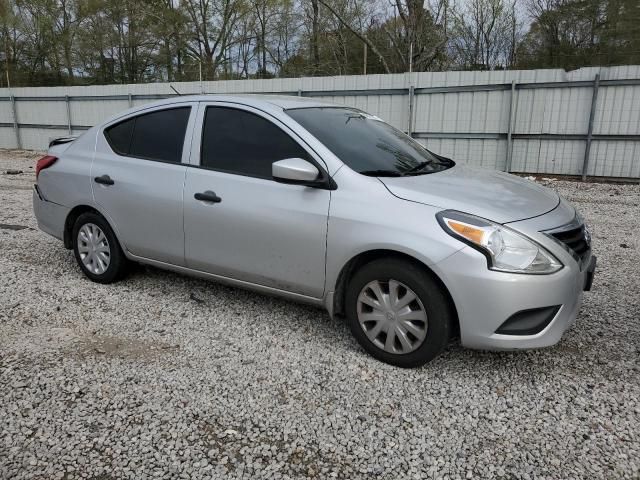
(255, 100)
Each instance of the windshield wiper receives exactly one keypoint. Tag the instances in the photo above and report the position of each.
(417, 167)
(381, 173)
(359, 116)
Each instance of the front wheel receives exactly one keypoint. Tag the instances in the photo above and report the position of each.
(398, 312)
(97, 250)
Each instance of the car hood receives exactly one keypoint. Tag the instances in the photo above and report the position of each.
(490, 194)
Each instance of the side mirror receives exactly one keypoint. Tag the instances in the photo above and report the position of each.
(295, 171)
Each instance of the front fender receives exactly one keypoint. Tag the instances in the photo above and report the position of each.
(382, 222)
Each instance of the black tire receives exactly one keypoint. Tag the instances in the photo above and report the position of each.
(434, 300)
(118, 263)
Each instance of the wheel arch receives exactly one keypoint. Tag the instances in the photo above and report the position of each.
(73, 215)
(363, 258)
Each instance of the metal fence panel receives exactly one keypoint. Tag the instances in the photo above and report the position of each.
(615, 159)
(618, 111)
(7, 136)
(555, 157)
(549, 119)
(91, 113)
(478, 152)
(49, 112)
(5, 113)
(33, 136)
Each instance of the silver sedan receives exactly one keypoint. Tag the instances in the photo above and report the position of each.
(322, 204)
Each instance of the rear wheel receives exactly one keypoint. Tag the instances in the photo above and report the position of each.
(398, 312)
(97, 250)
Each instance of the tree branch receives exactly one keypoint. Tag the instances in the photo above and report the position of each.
(361, 36)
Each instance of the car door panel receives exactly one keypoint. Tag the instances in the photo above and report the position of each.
(145, 200)
(145, 203)
(261, 231)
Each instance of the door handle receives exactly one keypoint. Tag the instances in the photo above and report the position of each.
(208, 196)
(104, 180)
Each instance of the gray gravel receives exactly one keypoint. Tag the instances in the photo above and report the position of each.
(167, 376)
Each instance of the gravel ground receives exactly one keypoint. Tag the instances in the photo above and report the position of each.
(162, 375)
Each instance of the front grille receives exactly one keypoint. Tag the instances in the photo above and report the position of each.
(577, 240)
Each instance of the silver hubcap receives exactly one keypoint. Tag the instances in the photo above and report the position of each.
(392, 316)
(93, 248)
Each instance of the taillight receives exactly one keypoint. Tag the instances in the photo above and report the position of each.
(45, 162)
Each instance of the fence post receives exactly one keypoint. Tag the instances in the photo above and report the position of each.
(66, 99)
(130, 100)
(507, 165)
(592, 114)
(16, 127)
(299, 92)
(411, 100)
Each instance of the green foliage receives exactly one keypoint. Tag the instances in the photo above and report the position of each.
(573, 33)
(71, 42)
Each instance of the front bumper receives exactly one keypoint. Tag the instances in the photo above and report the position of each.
(485, 299)
(591, 270)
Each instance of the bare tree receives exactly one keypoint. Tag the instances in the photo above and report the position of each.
(213, 22)
(483, 33)
(361, 34)
(416, 35)
(57, 42)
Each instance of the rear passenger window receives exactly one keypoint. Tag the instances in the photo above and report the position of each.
(119, 136)
(243, 143)
(157, 135)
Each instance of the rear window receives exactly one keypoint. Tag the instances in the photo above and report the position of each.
(156, 136)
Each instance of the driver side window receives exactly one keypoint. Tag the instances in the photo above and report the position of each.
(240, 142)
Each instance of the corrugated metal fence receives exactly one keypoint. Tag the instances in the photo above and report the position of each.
(585, 122)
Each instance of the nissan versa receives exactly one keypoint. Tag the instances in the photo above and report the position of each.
(327, 205)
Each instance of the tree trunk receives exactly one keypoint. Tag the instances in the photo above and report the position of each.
(361, 36)
(315, 33)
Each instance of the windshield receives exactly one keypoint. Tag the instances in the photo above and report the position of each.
(367, 144)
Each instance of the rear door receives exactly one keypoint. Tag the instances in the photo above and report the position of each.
(138, 177)
(259, 231)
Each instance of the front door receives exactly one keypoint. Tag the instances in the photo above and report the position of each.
(247, 226)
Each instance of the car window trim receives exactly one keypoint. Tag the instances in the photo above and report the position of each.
(324, 174)
(134, 117)
(320, 107)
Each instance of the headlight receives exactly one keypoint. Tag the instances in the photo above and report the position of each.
(506, 250)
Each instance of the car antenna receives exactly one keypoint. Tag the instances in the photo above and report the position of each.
(177, 92)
